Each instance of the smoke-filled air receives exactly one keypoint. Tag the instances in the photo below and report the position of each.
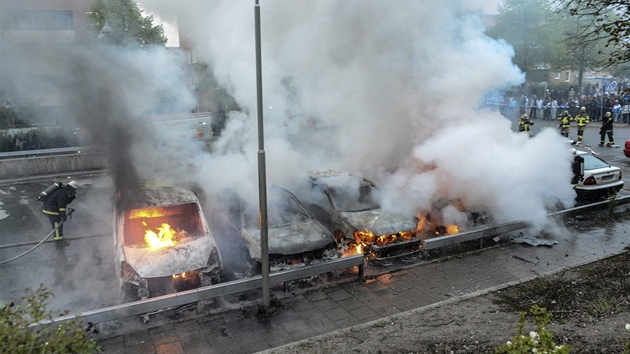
(388, 91)
(385, 90)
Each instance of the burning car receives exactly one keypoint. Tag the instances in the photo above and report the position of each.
(294, 236)
(348, 207)
(594, 178)
(162, 241)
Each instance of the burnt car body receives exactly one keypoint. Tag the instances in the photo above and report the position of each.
(347, 205)
(294, 236)
(162, 241)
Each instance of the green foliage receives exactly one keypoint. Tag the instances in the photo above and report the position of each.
(613, 202)
(14, 113)
(17, 337)
(539, 341)
(128, 26)
(49, 138)
(608, 20)
(530, 27)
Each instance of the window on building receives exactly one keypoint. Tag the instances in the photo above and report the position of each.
(557, 75)
(192, 56)
(193, 81)
(567, 76)
(38, 20)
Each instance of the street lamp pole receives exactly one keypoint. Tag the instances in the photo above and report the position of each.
(262, 178)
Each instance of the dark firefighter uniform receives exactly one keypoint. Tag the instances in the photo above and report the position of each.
(55, 207)
(607, 129)
(524, 124)
(565, 123)
(582, 120)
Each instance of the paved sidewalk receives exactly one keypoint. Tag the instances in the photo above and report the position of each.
(335, 307)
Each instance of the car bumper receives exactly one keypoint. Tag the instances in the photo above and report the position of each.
(593, 192)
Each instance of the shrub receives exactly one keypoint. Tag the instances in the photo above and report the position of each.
(17, 336)
(539, 341)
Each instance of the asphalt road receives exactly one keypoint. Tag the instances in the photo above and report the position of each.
(81, 275)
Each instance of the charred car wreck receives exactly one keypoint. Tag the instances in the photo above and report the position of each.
(162, 241)
(347, 205)
(295, 238)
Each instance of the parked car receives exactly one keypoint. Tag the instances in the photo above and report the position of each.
(294, 236)
(595, 178)
(348, 206)
(626, 148)
(162, 241)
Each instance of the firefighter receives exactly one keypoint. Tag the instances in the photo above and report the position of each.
(55, 207)
(524, 123)
(565, 123)
(582, 120)
(607, 129)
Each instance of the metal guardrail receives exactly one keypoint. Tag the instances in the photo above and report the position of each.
(208, 292)
(191, 296)
(442, 241)
(49, 152)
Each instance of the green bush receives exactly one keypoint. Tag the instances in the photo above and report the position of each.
(49, 138)
(539, 341)
(17, 337)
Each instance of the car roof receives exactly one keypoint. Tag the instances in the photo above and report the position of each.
(148, 194)
(332, 178)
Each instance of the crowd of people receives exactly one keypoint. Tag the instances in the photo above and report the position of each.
(609, 108)
(29, 142)
(552, 106)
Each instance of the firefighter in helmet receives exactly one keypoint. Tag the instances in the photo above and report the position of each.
(524, 124)
(56, 205)
(565, 123)
(607, 129)
(582, 120)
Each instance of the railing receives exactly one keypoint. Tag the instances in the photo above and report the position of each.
(49, 152)
(208, 292)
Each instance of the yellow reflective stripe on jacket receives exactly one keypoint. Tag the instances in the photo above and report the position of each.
(62, 209)
(50, 212)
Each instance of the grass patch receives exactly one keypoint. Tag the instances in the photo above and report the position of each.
(588, 293)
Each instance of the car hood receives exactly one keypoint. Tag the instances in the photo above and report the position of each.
(185, 256)
(293, 239)
(379, 222)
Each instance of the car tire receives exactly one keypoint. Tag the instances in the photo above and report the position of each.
(249, 265)
(129, 293)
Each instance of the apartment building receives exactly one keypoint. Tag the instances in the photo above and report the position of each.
(30, 31)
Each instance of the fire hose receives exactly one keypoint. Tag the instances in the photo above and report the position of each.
(70, 211)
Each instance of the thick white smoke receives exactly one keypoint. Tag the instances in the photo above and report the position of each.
(387, 90)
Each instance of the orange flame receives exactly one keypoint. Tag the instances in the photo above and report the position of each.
(146, 213)
(165, 237)
(452, 229)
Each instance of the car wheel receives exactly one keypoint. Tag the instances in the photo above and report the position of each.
(129, 293)
(248, 263)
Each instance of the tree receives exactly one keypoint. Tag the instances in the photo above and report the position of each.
(580, 55)
(126, 25)
(529, 26)
(609, 20)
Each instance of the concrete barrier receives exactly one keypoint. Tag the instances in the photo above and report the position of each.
(44, 165)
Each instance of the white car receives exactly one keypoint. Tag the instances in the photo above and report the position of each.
(162, 241)
(347, 205)
(594, 178)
